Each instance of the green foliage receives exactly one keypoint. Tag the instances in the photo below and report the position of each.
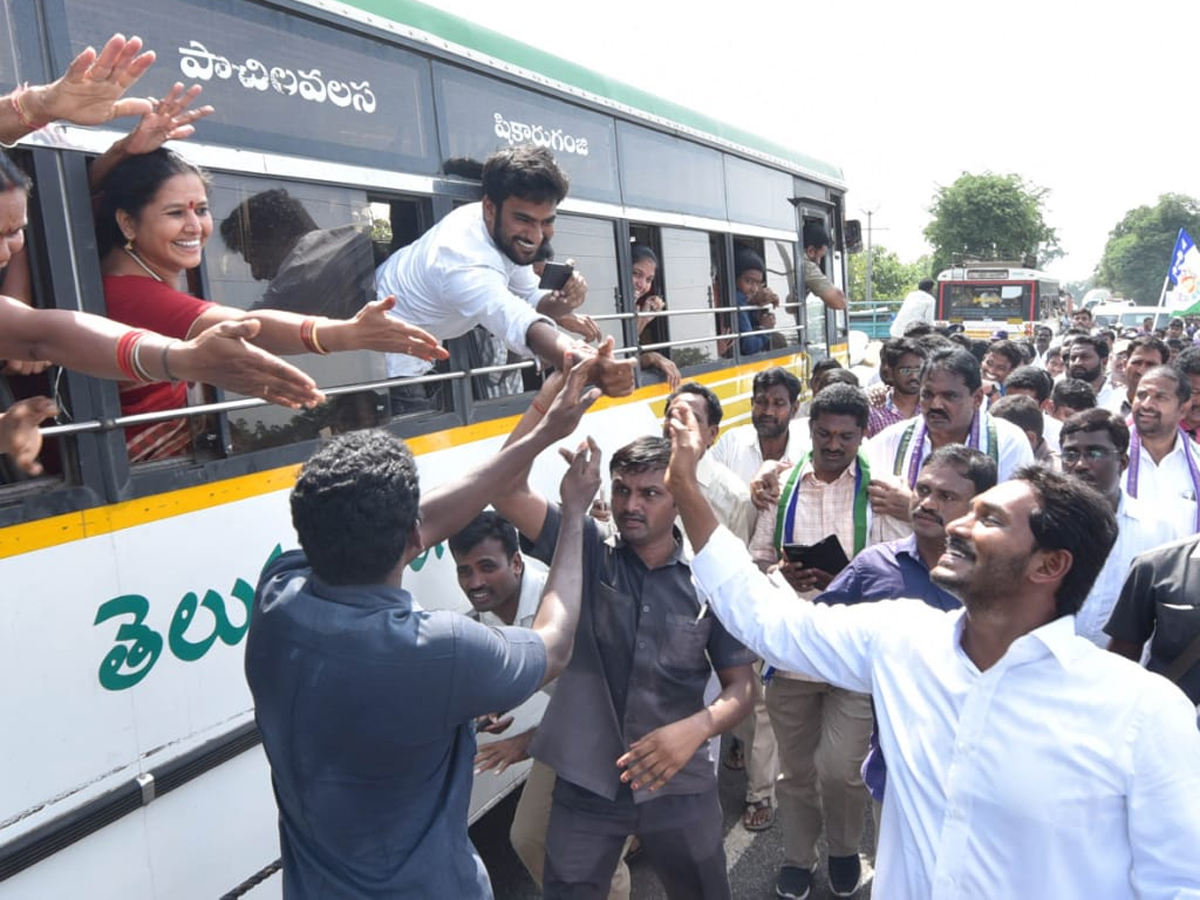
(1138, 251)
(891, 279)
(989, 217)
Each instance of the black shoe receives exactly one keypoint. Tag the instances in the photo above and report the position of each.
(793, 883)
(845, 875)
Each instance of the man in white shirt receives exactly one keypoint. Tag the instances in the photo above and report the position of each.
(1144, 352)
(772, 432)
(474, 267)
(918, 306)
(951, 400)
(1095, 450)
(1023, 760)
(1087, 360)
(1164, 464)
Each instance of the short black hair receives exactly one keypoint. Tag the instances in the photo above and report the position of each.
(1070, 515)
(1074, 393)
(979, 468)
(956, 361)
(273, 212)
(824, 365)
(841, 400)
(837, 376)
(1150, 342)
(354, 504)
(1031, 378)
(776, 375)
(1009, 351)
(11, 176)
(711, 401)
(525, 172)
(1188, 361)
(815, 234)
(489, 524)
(896, 348)
(1183, 387)
(1022, 411)
(644, 454)
(1095, 342)
(1095, 419)
(925, 284)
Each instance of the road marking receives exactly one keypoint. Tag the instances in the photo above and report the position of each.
(737, 842)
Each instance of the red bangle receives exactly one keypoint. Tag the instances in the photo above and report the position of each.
(125, 353)
(308, 336)
(534, 404)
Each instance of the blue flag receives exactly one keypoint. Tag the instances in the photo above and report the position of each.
(1182, 257)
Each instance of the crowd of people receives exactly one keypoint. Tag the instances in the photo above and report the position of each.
(928, 594)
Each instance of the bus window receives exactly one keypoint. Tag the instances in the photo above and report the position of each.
(780, 257)
(650, 303)
(308, 249)
(693, 271)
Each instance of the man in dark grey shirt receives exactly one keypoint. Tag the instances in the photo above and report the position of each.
(365, 701)
(627, 728)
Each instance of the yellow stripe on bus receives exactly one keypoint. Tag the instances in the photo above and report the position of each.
(56, 530)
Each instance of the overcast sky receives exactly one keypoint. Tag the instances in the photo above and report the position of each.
(1096, 102)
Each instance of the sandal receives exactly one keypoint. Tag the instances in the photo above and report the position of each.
(758, 816)
(735, 758)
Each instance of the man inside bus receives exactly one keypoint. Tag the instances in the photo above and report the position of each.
(365, 701)
(474, 267)
(627, 729)
(816, 245)
(989, 794)
(951, 402)
(504, 590)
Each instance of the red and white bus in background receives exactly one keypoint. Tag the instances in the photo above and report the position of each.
(987, 297)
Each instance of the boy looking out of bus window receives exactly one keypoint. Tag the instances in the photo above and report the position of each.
(504, 590)
(365, 701)
(474, 267)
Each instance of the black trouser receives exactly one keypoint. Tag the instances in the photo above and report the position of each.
(682, 836)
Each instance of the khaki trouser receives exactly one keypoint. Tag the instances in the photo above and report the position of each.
(823, 734)
(758, 747)
(528, 831)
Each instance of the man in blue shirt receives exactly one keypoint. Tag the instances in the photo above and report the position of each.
(366, 701)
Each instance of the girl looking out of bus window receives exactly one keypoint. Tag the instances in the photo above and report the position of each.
(154, 221)
(649, 304)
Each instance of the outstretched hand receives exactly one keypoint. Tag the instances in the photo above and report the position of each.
(687, 446)
(90, 91)
(222, 356)
(19, 434)
(568, 405)
(169, 120)
(375, 329)
(613, 376)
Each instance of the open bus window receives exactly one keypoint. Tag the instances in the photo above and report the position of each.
(308, 249)
(769, 313)
(692, 278)
(648, 294)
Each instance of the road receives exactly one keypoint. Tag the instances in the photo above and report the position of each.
(753, 858)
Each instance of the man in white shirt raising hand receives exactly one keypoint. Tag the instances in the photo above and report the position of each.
(1023, 760)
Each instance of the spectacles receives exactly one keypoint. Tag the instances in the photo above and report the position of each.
(909, 370)
(1091, 454)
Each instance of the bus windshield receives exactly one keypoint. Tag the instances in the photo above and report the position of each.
(986, 301)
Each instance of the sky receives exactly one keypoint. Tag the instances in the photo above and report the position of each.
(1085, 101)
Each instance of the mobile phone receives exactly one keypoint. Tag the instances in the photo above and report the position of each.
(555, 276)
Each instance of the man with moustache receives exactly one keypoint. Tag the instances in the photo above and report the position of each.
(774, 403)
(504, 591)
(822, 731)
(1023, 761)
(950, 477)
(1145, 352)
(1086, 361)
(1043, 336)
(1095, 446)
(951, 397)
(627, 729)
(902, 357)
(1164, 463)
(1188, 362)
(474, 268)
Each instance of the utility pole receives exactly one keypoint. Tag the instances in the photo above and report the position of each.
(869, 212)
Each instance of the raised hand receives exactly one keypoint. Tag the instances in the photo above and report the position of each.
(90, 91)
(169, 120)
(582, 479)
(613, 376)
(19, 434)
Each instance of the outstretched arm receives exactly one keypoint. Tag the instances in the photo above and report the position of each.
(89, 93)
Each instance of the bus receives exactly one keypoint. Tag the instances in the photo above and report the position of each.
(994, 296)
(132, 764)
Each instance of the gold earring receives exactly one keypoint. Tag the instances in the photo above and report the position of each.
(128, 244)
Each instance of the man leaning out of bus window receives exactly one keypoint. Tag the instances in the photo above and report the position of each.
(474, 267)
(365, 701)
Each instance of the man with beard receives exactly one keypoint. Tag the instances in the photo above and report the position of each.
(1144, 353)
(1022, 760)
(627, 729)
(1164, 463)
(950, 399)
(1095, 446)
(1188, 362)
(474, 268)
(902, 359)
(1086, 361)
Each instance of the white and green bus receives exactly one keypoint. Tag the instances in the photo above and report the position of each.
(132, 767)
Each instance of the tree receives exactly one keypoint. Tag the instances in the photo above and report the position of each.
(990, 217)
(891, 279)
(1139, 249)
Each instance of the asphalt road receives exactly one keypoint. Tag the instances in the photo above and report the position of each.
(753, 857)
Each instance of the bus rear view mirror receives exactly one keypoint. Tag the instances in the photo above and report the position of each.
(853, 231)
